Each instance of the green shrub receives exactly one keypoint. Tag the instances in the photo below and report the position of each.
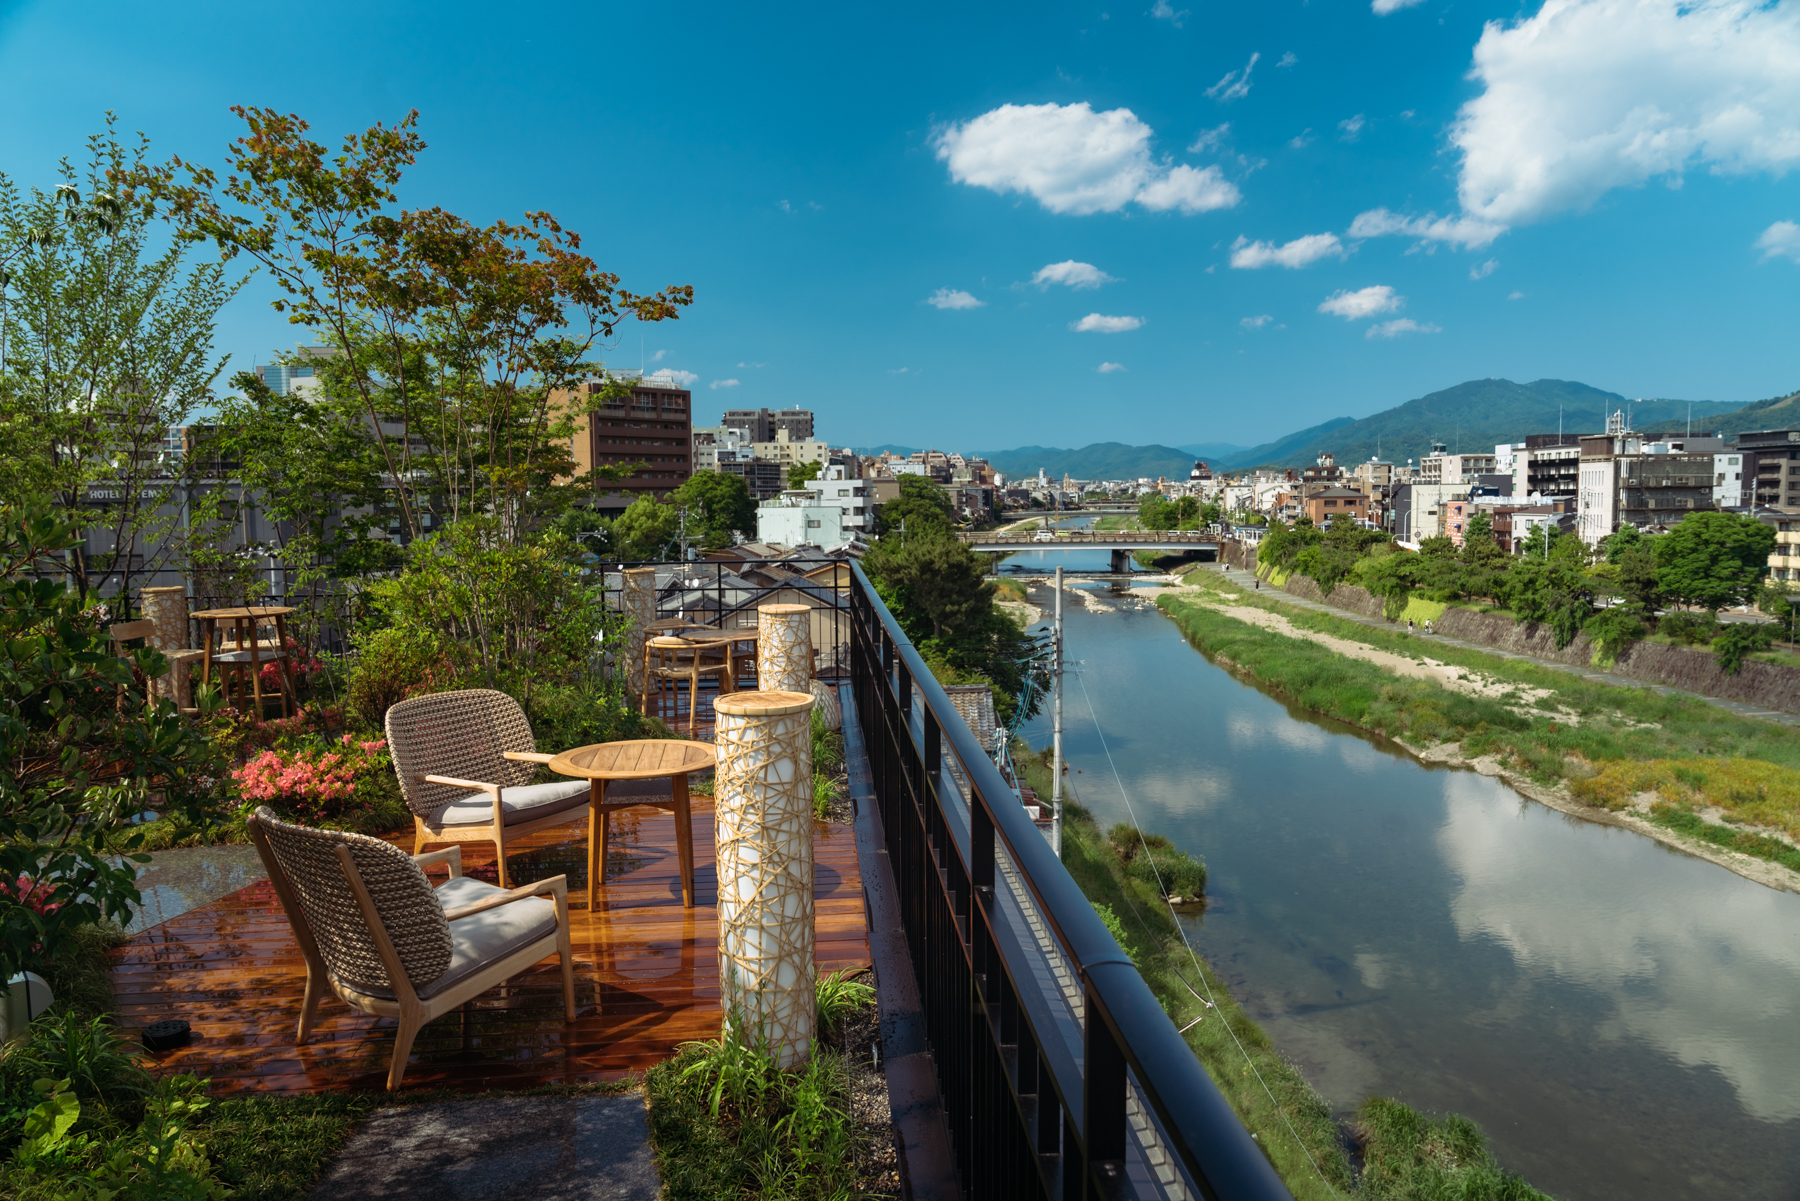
(1170, 869)
(1612, 630)
(396, 663)
(1688, 628)
(1738, 641)
(1409, 1157)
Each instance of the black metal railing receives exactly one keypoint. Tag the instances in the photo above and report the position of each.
(1054, 1086)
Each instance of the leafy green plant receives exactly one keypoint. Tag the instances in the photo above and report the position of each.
(839, 996)
(1409, 1157)
(1611, 631)
(87, 1054)
(825, 794)
(1737, 641)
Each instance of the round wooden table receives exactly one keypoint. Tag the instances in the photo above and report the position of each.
(730, 638)
(244, 620)
(639, 759)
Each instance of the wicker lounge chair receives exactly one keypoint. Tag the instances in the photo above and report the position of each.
(374, 930)
(464, 760)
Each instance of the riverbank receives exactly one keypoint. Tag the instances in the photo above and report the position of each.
(1669, 767)
(1309, 1148)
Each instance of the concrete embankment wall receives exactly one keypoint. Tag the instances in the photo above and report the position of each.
(1767, 684)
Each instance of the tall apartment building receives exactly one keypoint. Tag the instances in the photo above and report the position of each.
(1442, 467)
(1734, 479)
(1777, 467)
(652, 426)
(1546, 464)
(1784, 560)
(760, 425)
(1626, 479)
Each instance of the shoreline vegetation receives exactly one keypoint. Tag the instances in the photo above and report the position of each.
(1387, 1152)
(1675, 768)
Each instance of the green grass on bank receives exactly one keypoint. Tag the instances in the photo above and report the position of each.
(1616, 726)
(1409, 1156)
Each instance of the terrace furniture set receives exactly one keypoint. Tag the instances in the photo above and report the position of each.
(369, 923)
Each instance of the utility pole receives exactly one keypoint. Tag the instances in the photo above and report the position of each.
(1056, 724)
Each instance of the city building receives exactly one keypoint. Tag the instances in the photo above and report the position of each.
(1651, 485)
(760, 425)
(1784, 560)
(1442, 467)
(1777, 466)
(1547, 464)
(1321, 506)
(1734, 479)
(786, 449)
(652, 426)
(798, 516)
(763, 478)
(848, 492)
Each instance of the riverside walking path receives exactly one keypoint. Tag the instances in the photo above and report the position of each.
(1247, 581)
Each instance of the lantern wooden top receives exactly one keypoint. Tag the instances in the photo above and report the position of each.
(763, 704)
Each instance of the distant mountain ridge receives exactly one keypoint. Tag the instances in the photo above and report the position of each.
(1096, 461)
(1474, 417)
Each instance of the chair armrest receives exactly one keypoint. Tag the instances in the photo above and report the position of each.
(527, 756)
(555, 886)
(453, 857)
(453, 782)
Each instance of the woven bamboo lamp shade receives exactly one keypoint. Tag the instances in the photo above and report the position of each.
(639, 603)
(784, 649)
(763, 828)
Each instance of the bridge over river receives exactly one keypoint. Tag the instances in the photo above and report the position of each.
(1120, 542)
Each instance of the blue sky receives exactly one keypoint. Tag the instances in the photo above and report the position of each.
(1599, 190)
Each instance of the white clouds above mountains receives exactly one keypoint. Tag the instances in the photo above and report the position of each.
(1402, 325)
(1109, 368)
(1365, 302)
(1236, 84)
(1070, 273)
(722, 383)
(1466, 232)
(953, 298)
(1591, 95)
(1099, 323)
(1255, 322)
(1780, 241)
(1247, 255)
(1074, 160)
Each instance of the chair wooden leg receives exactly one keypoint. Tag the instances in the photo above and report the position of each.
(500, 858)
(309, 1006)
(403, 1041)
(693, 703)
(684, 840)
(566, 953)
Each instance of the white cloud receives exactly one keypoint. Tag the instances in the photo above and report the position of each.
(1590, 95)
(749, 364)
(1780, 240)
(1072, 159)
(1109, 368)
(1236, 84)
(1209, 139)
(1099, 323)
(1191, 190)
(1382, 8)
(953, 298)
(1483, 270)
(1072, 274)
(1468, 232)
(1249, 255)
(685, 379)
(723, 383)
(1352, 126)
(1288, 59)
(1516, 296)
(1256, 322)
(1366, 302)
(1403, 325)
(658, 356)
(900, 371)
(1301, 140)
(1164, 11)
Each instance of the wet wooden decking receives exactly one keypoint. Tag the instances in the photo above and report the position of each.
(646, 975)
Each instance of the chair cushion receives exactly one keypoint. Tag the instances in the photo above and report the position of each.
(482, 938)
(526, 803)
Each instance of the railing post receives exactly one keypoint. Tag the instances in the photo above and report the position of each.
(1103, 1103)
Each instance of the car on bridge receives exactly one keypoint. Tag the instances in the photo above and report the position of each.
(1044, 536)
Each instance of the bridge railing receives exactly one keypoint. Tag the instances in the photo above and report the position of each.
(1061, 1075)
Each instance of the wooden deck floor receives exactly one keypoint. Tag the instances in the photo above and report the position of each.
(646, 976)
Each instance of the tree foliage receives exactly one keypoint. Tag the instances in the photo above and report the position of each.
(922, 508)
(83, 749)
(1713, 560)
(718, 506)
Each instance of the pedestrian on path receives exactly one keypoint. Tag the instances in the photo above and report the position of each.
(1409, 625)
(1428, 625)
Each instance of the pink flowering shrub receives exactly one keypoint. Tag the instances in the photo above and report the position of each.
(34, 895)
(313, 784)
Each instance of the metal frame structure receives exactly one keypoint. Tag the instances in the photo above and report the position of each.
(1060, 1073)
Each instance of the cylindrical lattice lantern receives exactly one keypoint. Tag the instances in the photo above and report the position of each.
(763, 827)
(639, 604)
(166, 608)
(784, 648)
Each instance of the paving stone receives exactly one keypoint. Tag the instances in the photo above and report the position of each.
(543, 1148)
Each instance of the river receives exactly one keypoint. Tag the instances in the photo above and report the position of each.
(1622, 1019)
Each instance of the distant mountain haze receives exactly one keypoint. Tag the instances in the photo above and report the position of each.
(1100, 461)
(1776, 413)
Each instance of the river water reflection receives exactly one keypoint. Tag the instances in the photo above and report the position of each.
(1622, 1019)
